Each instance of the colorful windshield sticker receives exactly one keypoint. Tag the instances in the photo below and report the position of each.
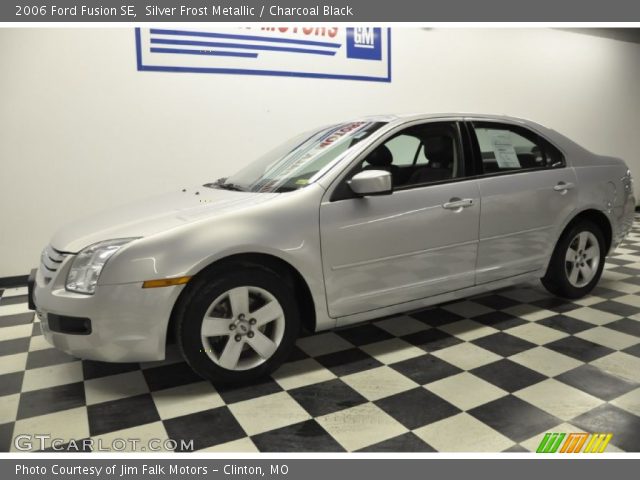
(329, 139)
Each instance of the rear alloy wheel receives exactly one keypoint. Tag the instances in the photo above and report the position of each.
(582, 259)
(577, 261)
(238, 327)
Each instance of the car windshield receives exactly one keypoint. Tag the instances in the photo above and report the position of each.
(299, 161)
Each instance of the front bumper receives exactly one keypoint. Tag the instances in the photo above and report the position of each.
(128, 323)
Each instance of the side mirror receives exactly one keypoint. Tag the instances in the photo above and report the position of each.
(371, 182)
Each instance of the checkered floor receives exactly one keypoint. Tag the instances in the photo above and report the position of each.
(492, 373)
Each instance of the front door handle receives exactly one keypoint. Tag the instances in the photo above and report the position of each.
(458, 204)
(563, 186)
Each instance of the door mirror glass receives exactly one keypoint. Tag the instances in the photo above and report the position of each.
(371, 182)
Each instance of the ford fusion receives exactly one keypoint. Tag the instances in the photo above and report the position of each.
(340, 225)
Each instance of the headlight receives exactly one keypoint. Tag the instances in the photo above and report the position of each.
(88, 264)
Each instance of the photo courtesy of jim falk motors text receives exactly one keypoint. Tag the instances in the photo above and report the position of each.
(132, 471)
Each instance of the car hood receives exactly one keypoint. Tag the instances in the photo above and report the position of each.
(154, 215)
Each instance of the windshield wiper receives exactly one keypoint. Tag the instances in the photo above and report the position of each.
(220, 183)
(285, 189)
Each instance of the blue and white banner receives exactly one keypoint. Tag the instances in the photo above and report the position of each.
(359, 53)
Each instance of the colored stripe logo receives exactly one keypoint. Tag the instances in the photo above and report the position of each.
(574, 442)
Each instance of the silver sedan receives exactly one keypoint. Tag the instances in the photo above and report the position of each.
(340, 225)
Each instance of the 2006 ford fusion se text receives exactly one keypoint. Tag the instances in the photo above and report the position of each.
(340, 225)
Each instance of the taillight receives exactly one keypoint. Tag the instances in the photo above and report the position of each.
(627, 181)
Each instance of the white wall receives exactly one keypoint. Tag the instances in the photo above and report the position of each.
(81, 129)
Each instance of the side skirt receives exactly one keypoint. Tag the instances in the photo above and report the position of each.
(422, 303)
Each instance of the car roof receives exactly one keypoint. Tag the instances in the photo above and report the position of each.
(404, 117)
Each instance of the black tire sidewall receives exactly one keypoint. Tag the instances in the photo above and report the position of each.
(204, 293)
(556, 274)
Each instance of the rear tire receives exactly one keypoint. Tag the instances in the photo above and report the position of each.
(237, 324)
(577, 261)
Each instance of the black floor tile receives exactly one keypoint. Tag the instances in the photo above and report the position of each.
(232, 393)
(36, 330)
(407, 442)
(207, 428)
(327, 397)
(596, 382)
(416, 408)
(47, 358)
(425, 369)
(624, 426)
(514, 418)
(297, 354)
(616, 261)
(431, 340)
(92, 369)
(49, 400)
(579, 349)
(635, 280)
(516, 449)
(10, 383)
(17, 319)
(625, 271)
(508, 375)
(497, 302)
(565, 324)
(16, 345)
(301, 437)
(364, 334)
(603, 292)
(555, 304)
(626, 325)
(347, 362)
(123, 413)
(171, 375)
(6, 436)
(499, 320)
(504, 344)
(616, 308)
(437, 317)
(633, 350)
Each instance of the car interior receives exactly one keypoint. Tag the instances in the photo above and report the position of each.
(417, 155)
(527, 151)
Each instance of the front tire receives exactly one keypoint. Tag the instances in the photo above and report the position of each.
(577, 261)
(237, 324)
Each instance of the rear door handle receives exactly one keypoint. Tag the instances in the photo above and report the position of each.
(563, 186)
(456, 203)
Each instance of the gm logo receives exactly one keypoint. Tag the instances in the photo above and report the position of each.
(574, 443)
(364, 43)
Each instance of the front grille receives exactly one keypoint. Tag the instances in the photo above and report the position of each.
(50, 261)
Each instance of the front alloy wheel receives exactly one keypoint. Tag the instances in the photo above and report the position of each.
(237, 324)
(242, 328)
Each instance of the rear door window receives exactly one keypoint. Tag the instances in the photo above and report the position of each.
(505, 148)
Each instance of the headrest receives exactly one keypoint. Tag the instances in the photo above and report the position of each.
(438, 145)
(380, 157)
